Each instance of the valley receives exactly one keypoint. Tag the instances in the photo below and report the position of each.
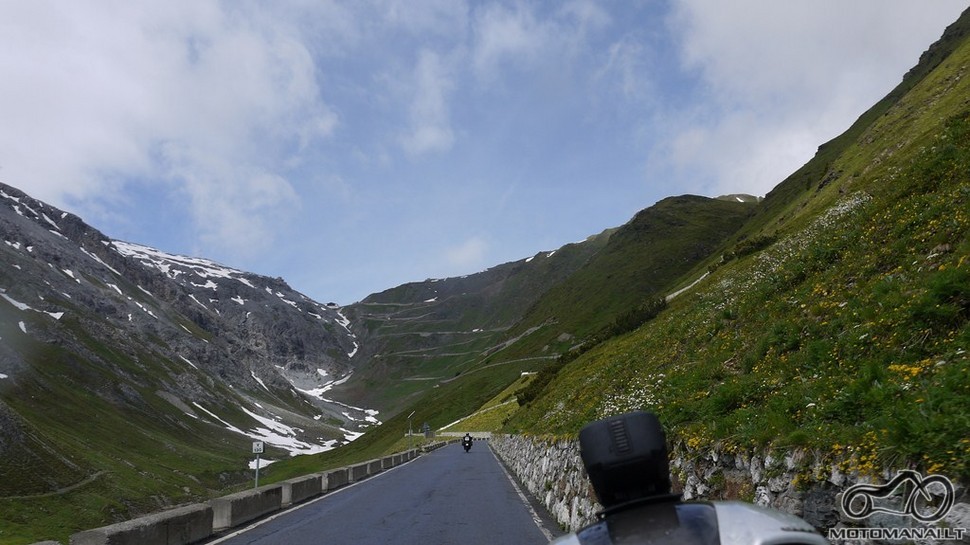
(832, 316)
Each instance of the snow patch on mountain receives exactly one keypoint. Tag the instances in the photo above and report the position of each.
(23, 306)
(174, 266)
(259, 380)
(275, 433)
(318, 392)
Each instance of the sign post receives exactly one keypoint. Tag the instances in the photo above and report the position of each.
(257, 450)
(409, 429)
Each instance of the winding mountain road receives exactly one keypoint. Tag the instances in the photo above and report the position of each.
(444, 497)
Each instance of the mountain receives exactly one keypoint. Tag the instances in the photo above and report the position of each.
(126, 365)
(419, 334)
(532, 310)
(643, 261)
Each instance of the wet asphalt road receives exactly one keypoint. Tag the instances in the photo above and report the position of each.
(444, 497)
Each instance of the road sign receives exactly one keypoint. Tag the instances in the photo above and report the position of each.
(257, 450)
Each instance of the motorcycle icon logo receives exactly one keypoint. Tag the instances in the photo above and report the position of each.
(858, 500)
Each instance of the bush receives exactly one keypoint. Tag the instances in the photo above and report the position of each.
(539, 383)
(635, 318)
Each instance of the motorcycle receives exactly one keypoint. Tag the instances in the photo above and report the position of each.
(625, 457)
(467, 443)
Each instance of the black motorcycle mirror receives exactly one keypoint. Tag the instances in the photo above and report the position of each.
(626, 459)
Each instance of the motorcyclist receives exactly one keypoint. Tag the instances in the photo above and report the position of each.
(466, 441)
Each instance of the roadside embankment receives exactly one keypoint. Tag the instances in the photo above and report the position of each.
(799, 482)
(198, 522)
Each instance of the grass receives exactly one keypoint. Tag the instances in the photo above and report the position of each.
(642, 259)
(94, 465)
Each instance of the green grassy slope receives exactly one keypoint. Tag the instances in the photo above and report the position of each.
(418, 334)
(92, 435)
(850, 330)
(99, 463)
(668, 239)
(425, 330)
(643, 260)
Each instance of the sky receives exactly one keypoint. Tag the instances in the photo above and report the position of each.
(353, 146)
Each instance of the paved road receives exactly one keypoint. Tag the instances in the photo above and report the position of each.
(445, 497)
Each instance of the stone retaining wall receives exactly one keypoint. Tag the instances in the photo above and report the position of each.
(798, 482)
(551, 470)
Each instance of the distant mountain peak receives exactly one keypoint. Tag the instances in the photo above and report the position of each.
(740, 197)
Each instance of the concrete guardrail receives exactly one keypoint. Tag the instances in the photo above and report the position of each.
(475, 434)
(335, 478)
(177, 526)
(301, 489)
(358, 472)
(391, 461)
(435, 446)
(197, 522)
(241, 507)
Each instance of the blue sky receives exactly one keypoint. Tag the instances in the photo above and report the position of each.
(350, 147)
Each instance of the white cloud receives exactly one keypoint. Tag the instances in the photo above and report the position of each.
(468, 255)
(430, 128)
(506, 37)
(252, 117)
(739, 153)
(758, 50)
(241, 218)
(523, 37)
(626, 69)
(440, 17)
(587, 14)
(213, 96)
(780, 78)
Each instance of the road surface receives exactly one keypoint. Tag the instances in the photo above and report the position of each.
(444, 497)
